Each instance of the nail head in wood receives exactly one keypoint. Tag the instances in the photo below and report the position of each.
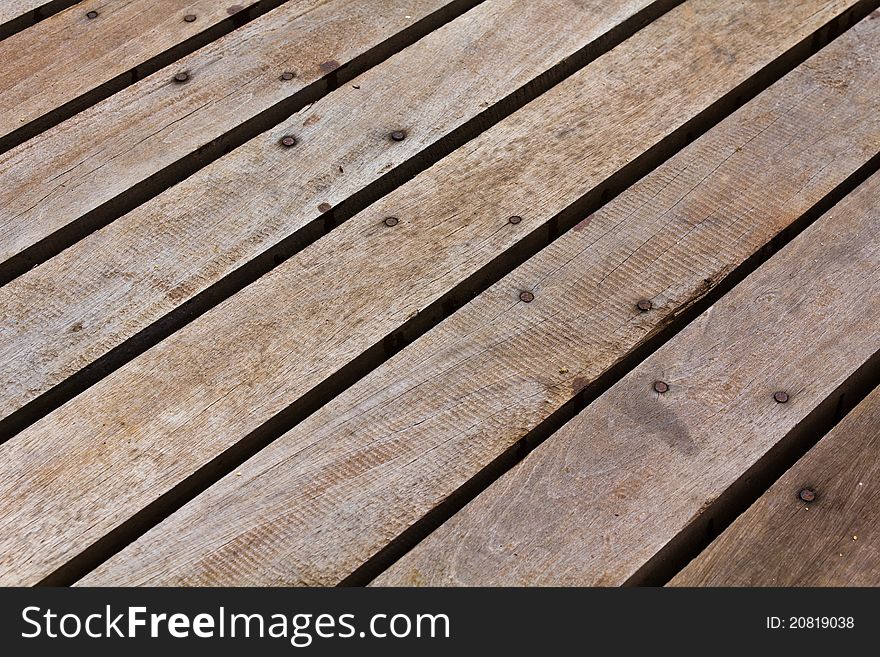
(91, 15)
(398, 135)
(183, 76)
(515, 219)
(190, 18)
(526, 297)
(287, 141)
(391, 221)
(781, 397)
(661, 387)
(807, 494)
(644, 305)
(288, 75)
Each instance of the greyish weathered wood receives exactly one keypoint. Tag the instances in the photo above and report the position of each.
(616, 484)
(313, 506)
(833, 540)
(74, 52)
(16, 15)
(132, 137)
(165, 252)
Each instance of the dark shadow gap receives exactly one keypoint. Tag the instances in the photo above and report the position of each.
(223, 464)
(139, 72)
(755, 481)
(308, 234)
(34, 16)
(661, 335)
(183, 168)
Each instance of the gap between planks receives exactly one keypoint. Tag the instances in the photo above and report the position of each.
(787, 539)
(374, 170)
(15, 17)
(401, 371)
(623, 488)
(752, 72)
(87, 171)
(45, 79)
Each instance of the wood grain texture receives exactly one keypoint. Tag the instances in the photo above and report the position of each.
(16, 15)
(594, 502)
(832, 541)
(69, 54)
(129, 138)
(11, 9)
(318, 502)
(184, 402)
(65, 314)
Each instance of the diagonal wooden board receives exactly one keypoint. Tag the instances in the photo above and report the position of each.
(12, 9)
(616, 484)
(70, 55)
(62, 316)
(321, 500)
(834, 540)
(128, 141)
(126, 442)
(16, 15)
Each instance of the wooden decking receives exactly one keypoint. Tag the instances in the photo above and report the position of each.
(431, 292)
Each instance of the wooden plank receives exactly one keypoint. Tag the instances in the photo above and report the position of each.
(170, 412)
(834, 540)
(205, 228)
(16, 15)
(314, 505)
(616, 484)
(93, 48)
(117, 152)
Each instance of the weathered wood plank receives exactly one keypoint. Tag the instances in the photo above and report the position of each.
(833, 540)
(167, 413)
(111, 154)
(314, 505)
(603, 495)
(165, 252)
(16, 15)
(69, 57)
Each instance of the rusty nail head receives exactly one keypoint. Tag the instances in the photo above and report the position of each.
(288, 75)
(526, 297)
(515, 219)
(398, 135)
(324, 207)
(807, 494)
(781, 397)
(189, 18)
(288, 141)
(183, 76)
(661, 387)
(391, 221)
(92, 14)
(644, 305)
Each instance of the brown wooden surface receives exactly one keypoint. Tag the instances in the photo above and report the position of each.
(68, 55)
(75, 308)
(604, 494)
(832, 541)
(71, 479)
(11, 9)
(16, 15)
(326, 496)
(130, 138)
